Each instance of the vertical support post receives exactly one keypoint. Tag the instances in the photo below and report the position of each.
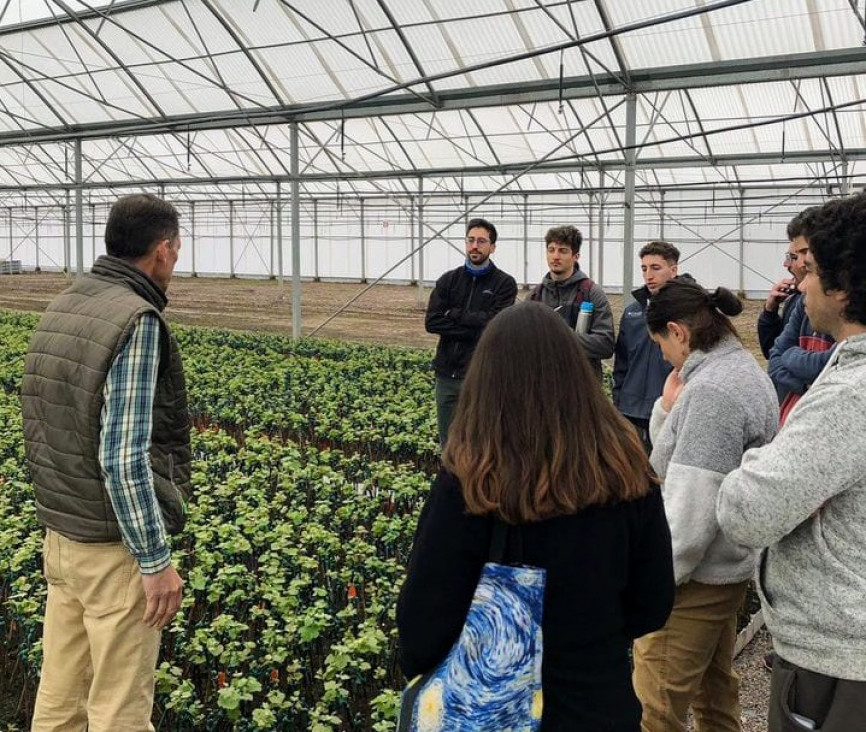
(843, 180)
(662, 215)
(316, 277)
(420, 241)
(412, 240)
(36, 235)
(231, 238)
(628, 221)
(742, 225)
(280, 233)
(192, 236)
(526, 240)
(67, 236)
(601, 201)
(296, 235)
(92, 233)
(79, 212)
(363, 242)
(11, 250)
(589, 231)
(272, 230)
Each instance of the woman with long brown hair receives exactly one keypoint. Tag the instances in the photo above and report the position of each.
(537, 445)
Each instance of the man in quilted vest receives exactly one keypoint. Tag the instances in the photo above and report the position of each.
(106, 430)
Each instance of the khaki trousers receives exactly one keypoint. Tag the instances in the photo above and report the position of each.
(98, 657)
(689, 662)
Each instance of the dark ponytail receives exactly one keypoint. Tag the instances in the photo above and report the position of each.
(726, 301)
(704, 313)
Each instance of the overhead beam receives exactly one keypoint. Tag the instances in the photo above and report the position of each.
(807, 156)
(844, 62)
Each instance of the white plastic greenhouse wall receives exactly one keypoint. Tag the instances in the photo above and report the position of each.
(351, 240)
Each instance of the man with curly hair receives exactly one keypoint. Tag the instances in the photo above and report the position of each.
(802, 500)
(566, 287)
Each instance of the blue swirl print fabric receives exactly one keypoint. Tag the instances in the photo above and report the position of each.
(491, 678)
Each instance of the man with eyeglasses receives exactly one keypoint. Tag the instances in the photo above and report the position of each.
(784, 295)
(800, 352)
(463, 302)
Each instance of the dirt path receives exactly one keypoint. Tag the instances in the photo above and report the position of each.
(387, 314)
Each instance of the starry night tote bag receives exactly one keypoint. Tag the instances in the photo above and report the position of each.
(491, 677)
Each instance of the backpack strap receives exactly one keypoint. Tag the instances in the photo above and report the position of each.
(582, 293)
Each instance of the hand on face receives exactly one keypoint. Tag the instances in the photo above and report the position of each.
(780, 292)
(672, 389)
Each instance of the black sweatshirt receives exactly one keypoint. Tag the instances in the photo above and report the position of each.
(609, 580)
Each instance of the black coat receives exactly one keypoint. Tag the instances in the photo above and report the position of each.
(460, 307)
(609, 580)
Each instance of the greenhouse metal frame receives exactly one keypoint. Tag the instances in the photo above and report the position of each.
(277, 120)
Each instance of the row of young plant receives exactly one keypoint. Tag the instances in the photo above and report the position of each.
(373, 400)
(294, 549)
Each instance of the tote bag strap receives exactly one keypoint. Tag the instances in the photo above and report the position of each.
(502, 533)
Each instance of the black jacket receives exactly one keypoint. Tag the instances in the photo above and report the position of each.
(460, 307)
(639, 370)
(609, 580)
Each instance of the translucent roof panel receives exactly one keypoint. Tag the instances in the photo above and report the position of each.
(508, 92)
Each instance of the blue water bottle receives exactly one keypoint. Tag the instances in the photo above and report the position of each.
(584, 317)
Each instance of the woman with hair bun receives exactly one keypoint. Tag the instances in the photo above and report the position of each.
(716, 404)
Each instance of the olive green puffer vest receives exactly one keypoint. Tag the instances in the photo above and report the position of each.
(70, 355)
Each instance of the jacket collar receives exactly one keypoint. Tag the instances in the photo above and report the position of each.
(549, 283)
(122, 271)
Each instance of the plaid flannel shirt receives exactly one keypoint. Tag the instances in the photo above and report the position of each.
(124, 448)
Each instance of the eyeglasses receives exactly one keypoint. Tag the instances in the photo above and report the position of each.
(794, 256)
(479, 240)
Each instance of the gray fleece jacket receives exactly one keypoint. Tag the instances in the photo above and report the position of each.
(803, 497)
(728, 404)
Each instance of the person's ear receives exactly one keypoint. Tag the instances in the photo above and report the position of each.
(678, 332)
(161, 251)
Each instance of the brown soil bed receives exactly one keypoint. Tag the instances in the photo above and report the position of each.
(387, 314)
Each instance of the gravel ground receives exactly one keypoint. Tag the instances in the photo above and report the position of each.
(754, 682)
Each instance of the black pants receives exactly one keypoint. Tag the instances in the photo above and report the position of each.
(802, 700)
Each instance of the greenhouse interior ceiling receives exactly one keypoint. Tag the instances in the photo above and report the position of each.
(248, 102)
(528, 95)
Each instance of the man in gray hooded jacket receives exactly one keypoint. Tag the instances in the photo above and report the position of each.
(565, 287)
(802, 500)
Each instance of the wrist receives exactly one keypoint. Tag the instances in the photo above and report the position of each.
(155, 561)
